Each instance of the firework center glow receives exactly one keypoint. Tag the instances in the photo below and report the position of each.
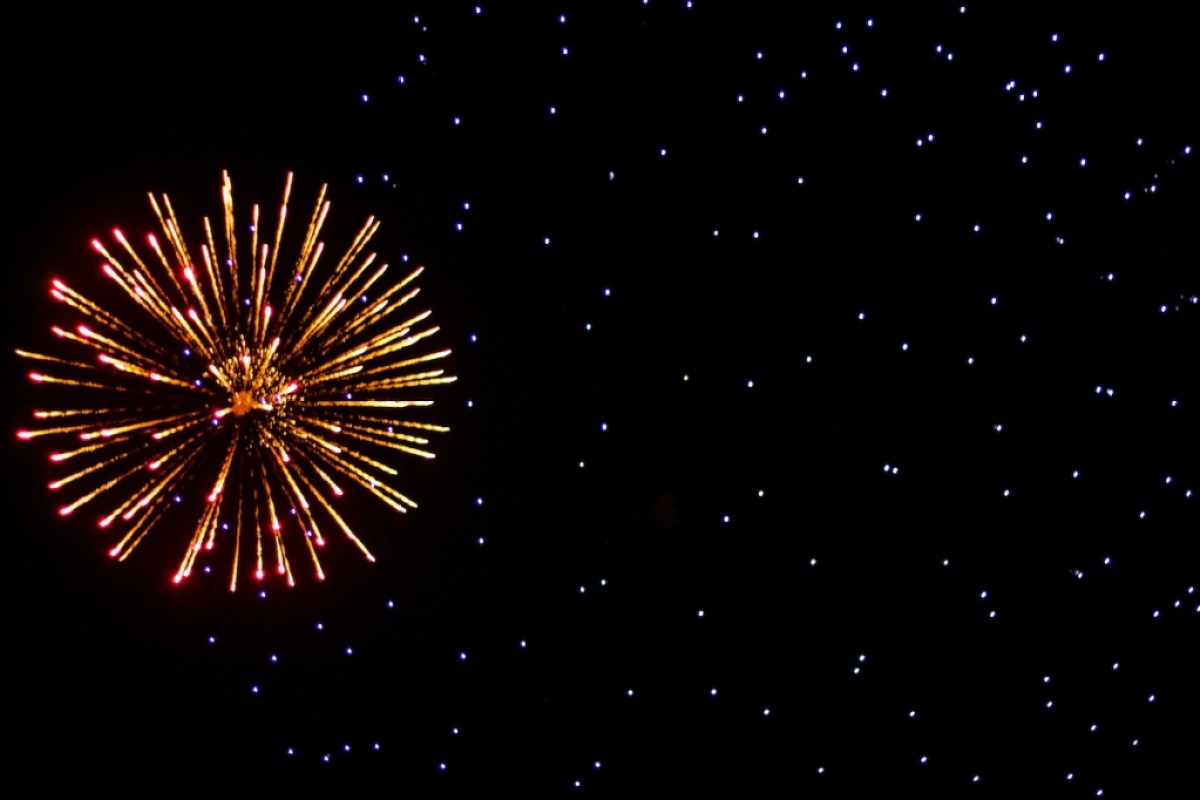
(243, 401)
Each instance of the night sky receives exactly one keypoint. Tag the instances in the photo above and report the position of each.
(825, 422)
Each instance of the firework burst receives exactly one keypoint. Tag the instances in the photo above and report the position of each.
(267, 386)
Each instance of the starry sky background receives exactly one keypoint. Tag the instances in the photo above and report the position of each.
(767, 468)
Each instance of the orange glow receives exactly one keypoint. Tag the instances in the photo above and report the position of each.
(242, 403)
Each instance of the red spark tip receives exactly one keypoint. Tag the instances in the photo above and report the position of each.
(65, 511)
(36, 376)
(104, 523)
(178, 578)
(24, 435)
(114, 552)
(280, 570)
(259, 574)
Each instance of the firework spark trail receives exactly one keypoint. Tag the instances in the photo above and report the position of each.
(267, 405)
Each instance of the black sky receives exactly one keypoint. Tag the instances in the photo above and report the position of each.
(602, 570)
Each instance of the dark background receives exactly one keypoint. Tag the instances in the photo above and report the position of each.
(602, 570)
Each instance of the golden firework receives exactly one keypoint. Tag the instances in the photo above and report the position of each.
(274, 382)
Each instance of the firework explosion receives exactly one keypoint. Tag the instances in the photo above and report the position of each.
(266, 385)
